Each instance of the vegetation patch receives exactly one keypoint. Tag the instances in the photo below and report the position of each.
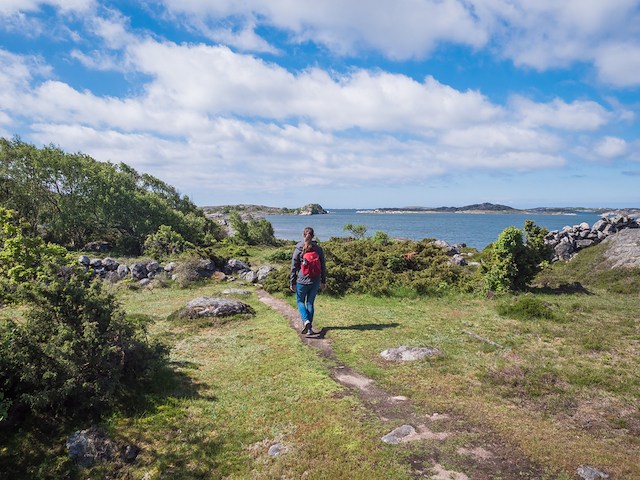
(527, 307)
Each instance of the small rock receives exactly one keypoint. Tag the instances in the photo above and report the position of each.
(276, 449)
(153, 266)
(144, 282)
(395, 436)
(84, 260)
(130, 453)
(87, 447)
(590, 473)
(263, 272)
(170, 267)
(406, 354)
(110, 264)
(236, 291)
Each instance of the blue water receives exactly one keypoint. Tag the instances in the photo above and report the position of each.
(476, 230)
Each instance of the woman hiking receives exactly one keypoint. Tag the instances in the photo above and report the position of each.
(308, 276)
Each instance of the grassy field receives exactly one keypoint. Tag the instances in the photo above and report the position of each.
(562, 389)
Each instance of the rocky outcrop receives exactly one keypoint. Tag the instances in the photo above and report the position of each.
(568, 241)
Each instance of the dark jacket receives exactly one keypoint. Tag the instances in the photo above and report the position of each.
(296, 273)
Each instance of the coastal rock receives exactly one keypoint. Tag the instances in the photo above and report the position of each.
(458, 259)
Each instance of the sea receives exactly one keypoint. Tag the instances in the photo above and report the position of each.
(476, 230)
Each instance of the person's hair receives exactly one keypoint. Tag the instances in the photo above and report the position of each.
(308, 237)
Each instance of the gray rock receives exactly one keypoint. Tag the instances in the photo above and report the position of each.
(584, 226)
(276, 449)
(406, 354)
(139, 271)
(609, 229)
(250, 276)
(87, 447)
(234, 266)
(263, 272)
(563, 251)
(153, 266)
(110, 264)
(122, 271)
(397, 435)
(84, 260)
(584, 243)
(144, 282)
(170, 267)
(458, 259)
(215, 307)
(600, 225)
(236, 291)
(590, 473)
(95, 263)
(206, 268)
(130, 453)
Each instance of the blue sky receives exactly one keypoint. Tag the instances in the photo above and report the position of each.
(340, 102)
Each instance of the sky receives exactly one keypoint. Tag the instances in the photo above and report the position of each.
(345, 103)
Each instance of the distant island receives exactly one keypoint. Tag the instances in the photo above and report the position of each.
(249, 210)
(259, 210)
(495, 208)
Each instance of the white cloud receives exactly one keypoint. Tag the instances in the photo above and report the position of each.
(402, 29)
(501, 138)
(577, 115)
(542, 34)
(10, 7)
(619, 64)
(611, 147)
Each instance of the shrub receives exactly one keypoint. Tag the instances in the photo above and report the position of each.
(76, 351)
(165, 242)
(526, 308)
(363, 266)
(511, 262)
(357, 231)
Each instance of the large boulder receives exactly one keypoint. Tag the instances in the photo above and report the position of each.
(215, 307)
(139, 271)
(110, 264)
(206, 268)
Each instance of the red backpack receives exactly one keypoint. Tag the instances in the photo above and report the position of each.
(311, 265)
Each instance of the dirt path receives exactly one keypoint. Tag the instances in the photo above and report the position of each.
(489, 459)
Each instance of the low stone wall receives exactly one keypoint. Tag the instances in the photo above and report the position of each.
(143, 272)
(568, 241)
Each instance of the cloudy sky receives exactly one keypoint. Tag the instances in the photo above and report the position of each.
(346, 103)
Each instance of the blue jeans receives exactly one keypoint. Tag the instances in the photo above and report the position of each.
(305, 296)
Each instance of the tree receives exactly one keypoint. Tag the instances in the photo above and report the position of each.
(358, 231)
(72, 199)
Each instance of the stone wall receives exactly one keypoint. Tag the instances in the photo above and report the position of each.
(568, 241)
(143, 272)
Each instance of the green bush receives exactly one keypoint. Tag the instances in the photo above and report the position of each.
(511, 263)
(376, 268)
(165, 243)
(526, 308)
(75, 352)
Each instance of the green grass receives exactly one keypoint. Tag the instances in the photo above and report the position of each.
(563, 389)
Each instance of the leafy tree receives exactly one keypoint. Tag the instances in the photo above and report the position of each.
(357, 231)
(252, 232)
(71, 199)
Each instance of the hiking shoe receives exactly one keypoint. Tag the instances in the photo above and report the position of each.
(311, 333)
(306, 328)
